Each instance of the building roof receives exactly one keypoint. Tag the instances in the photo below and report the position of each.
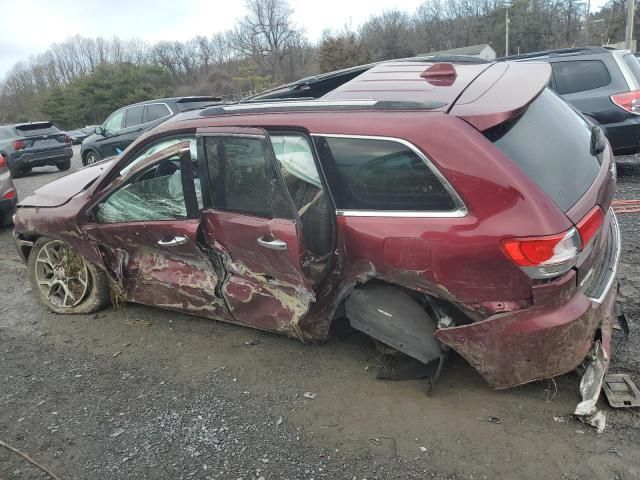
(470, 50)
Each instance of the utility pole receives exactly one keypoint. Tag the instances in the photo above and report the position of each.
(628, 37)
(506, 31)
(586, 24)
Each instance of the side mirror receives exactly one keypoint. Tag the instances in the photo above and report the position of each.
(99, 131)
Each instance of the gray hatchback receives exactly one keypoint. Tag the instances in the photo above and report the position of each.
(35, 144)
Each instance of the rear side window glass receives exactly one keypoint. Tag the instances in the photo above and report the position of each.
(243, 177)
(156, 111)
(551, 143)
(195, 105)
(134, 116)
(371, 174)
(32, 129)
(580, 75)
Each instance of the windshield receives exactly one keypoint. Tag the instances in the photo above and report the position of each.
(551, 143)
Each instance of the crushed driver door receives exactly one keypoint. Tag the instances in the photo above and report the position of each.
(251, 226)
(146, 229)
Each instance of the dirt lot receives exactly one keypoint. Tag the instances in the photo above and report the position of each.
(143, 393)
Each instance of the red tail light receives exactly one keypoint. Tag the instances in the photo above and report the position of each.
(19, 145)
(10, 194)
(544, 257)
(590, 224)
(67, 139)
(630, 101)
(3, 162)
(553, 255)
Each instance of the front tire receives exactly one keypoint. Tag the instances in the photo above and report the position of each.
(91, 157)
(64, 281)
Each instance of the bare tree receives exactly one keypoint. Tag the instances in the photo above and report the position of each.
(266, 31)
(388, 35)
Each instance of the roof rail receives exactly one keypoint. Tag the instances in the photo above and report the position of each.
(558, 52)
(319, 105)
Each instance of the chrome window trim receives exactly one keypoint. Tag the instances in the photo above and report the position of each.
(224, 134)
(459, 212)
(614, 269)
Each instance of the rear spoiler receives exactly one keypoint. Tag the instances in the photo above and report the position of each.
(500, 93)
(198, 99)
(33, 125)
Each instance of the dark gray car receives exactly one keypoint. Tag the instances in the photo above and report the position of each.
(36, 144)
(603, 84)
(126, 124)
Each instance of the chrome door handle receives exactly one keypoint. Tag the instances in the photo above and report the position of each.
(173, 242)
(272, 244)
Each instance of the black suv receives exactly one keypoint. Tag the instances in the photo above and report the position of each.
(34, 144)
(603, 84)
(126, 124)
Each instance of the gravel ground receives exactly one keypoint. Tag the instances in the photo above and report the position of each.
(143, 393)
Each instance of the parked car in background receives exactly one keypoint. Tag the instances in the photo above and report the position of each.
(416, 199)
(601, 83)
(35, 144)
(8, 194)
(126, 124)
(77, 136)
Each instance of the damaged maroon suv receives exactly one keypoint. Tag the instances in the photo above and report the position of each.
(434, 205)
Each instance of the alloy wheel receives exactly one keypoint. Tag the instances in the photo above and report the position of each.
(61, 274)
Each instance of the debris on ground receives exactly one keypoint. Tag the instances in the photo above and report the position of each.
(117, 433)
(491, 419)
(309, 395)
(29, 459)
(587, 410)
(626, 206)
(620, 390)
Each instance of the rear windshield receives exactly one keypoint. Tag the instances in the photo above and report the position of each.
(40, 128)
(552, 144)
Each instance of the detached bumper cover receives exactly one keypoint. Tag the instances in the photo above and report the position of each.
(515, 348)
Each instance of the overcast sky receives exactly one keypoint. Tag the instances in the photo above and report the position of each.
(30, 26)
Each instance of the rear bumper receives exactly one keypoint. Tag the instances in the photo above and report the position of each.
(7, 209)
(515, 348)
(624, 136)
(42, 158)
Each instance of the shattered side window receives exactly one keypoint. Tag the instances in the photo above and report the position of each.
(161, 145)
(297, 167)
(244, 178)
(153, 194)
